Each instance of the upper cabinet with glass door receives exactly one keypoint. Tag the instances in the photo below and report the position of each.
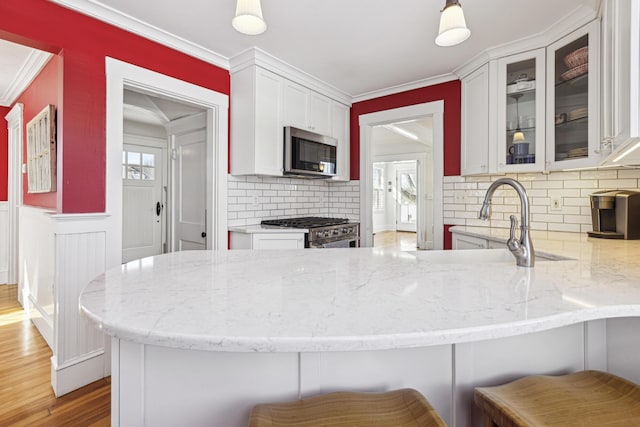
(520, 111)
(573, 117)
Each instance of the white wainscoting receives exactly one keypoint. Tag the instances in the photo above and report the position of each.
(36, 269)
(59, 254)
(4, 243)
(80, 255)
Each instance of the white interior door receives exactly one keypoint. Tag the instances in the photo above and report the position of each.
(406, 197)
(142, 201)
(190, 227)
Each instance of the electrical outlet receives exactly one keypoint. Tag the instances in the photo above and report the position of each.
(556, 204)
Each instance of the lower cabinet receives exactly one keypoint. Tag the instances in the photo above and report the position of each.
(266, 240)
(461, 241)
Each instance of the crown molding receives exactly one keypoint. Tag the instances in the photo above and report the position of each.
(404, 87)
(23, 78)
(114, 17)
(575, 19)
(263, 59)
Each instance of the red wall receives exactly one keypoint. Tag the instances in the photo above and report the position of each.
(83, 43)
(4, 154)
(449, 92)
(44, 90)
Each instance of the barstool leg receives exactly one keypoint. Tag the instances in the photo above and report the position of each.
(487, 421)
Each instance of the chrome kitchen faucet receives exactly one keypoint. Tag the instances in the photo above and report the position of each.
(521, 249)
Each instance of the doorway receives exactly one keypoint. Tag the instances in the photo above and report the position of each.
(163, 176)
(213, 114)
(387, 136)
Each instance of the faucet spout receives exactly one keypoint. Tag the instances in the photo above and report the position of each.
(522, 249)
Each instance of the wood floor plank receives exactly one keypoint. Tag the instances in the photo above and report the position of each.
(25, 383)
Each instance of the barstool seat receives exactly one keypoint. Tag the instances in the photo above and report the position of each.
(587, 398)
(399, 408)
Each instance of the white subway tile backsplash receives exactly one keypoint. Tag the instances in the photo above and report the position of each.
(572, 188)
(615, 184)
(629, 173)
(582, 183)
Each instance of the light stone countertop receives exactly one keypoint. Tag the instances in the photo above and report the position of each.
(361, 299)
(257, 228)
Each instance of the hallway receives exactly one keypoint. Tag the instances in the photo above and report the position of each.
(400, 240)
(25, 372)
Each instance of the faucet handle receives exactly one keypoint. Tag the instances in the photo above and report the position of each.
(514, 225)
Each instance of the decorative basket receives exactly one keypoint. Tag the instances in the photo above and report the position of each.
(577, 57)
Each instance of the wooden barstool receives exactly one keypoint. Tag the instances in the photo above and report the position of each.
(397, 408)
(588, 398)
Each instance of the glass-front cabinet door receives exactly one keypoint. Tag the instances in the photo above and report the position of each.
(573, 100)
(521, 117)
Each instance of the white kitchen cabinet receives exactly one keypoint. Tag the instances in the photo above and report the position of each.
(461, 241)
(476, 142)
(573, 113)
(306, 109)
(521, 106)
(270, 240)
(621, 81)
(340, 131)
(256, 127)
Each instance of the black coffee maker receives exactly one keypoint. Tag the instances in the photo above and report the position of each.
(615, 214)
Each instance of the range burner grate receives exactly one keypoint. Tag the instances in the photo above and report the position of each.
(305, 222)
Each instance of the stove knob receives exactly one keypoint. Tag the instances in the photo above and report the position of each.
(326, 233)
(319, 234)
(336, 232)
(350, 229)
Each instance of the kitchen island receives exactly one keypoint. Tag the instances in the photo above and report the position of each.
(198, 338)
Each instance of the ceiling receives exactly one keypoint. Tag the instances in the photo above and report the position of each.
(153, 110)
(18, 66)
(390, 139)
(356, 46)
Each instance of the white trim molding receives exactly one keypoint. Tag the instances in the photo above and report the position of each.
(258, 57)
(121, 75)
(367, 122)
(15, 126)
(430, 81)
(119, 19)
(577, 18)
(4, 243)
(31, 67)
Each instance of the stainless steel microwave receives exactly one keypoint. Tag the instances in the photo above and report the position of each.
(309, 154)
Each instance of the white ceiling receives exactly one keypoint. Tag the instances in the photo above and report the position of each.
(18, 66)
(357, 46)
(153, 110)
(388, 141)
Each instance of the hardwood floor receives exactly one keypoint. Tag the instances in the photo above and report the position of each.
(26, 397)
(402, 240)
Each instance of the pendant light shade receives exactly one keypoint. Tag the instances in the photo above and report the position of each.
(248, 19)
(453, 27)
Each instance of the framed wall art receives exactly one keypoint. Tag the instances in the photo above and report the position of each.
(41, 151)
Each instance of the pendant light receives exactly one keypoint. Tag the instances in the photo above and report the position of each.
(248, 19)
(453, 28)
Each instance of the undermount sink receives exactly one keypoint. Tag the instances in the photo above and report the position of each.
(476, 256)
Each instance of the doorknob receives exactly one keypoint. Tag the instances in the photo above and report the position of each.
(203, 234)
(158, 208)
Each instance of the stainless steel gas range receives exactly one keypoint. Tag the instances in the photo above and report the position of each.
(323, 232)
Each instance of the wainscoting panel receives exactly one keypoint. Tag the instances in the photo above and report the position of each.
(36, 275)
(79, 258)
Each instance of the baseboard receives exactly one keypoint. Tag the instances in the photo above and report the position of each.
(78, 373)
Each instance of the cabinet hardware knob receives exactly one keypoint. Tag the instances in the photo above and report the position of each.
(203, 234)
